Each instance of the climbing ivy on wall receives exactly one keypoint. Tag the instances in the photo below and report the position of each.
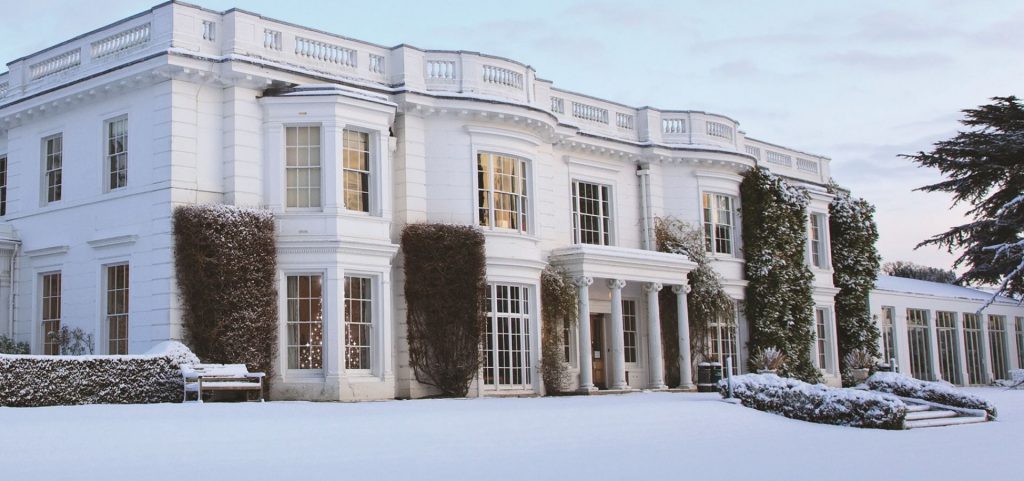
(855, 259)
(706, 302)
(445, 269)
(779, 303)
(558, 312)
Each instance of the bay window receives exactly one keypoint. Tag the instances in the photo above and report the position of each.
(302, 167)
(305, 320)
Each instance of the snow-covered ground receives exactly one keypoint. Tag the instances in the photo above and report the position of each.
(623, 437)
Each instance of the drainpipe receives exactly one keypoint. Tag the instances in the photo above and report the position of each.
(644, 173)
(11, 297)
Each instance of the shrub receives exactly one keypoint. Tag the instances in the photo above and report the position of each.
(445, 271)
(73, 342)
(10, 346)
(859, 359)
(225, 259)
(779, 303)
(769, 359)
(816, 402)
(30, 381)
(559, 312)
(936, 392)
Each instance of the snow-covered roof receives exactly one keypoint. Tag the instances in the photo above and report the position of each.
(937, 289)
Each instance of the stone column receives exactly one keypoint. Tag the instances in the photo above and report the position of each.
(618, 337)
(583, 324)
(657, 360)
(683, 316)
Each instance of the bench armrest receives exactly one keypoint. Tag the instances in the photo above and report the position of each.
(255, 374)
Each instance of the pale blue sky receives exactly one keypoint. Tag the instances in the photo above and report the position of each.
(859, 81)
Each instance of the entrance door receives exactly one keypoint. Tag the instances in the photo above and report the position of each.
(597, 356)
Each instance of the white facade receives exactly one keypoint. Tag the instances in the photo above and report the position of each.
(347, 142)
(939, 331)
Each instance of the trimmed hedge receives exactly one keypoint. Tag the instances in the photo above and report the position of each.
(817, 403)
(225, 259)
(936, 392)
(445, 269)
(32, 381)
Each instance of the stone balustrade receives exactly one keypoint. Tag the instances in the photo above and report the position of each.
(272, 39)
(121, 41)
(502, 76)
(4, 86)
(589, 112)
(441, 70)
(673, 126)
(325, 52)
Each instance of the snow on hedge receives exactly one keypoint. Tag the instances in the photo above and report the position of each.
(936, 392)
(816, 402)
(28, 381)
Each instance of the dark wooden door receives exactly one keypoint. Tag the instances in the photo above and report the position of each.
(597, 354)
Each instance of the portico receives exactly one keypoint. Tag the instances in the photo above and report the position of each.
(602, 273)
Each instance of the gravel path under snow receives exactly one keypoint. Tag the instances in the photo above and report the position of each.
(623, 437)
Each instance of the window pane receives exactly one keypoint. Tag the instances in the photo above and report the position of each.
(302, 167)
(305, 322)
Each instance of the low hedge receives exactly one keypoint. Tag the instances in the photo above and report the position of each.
(33, 381)
(816, 402)
(936, 392)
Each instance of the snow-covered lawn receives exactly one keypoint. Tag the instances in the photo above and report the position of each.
(623, 437)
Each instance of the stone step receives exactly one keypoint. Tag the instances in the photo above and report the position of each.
(932, 423)
(931, 414)
(913, 408)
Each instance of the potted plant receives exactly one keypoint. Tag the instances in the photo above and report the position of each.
(769, 360)
(860, 363)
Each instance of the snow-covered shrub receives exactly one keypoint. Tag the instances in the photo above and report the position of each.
(769, 359)
(816, 402)
(445, 281)
(558, 312)
(779, 306)
(853, 235)
(10, 346)
(225, 260)
(31, 381)
(859, 359)
(936, 392)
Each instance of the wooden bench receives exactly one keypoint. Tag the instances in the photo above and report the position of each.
(200, 378)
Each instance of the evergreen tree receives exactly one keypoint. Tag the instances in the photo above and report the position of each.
(984, 168)
(910, 270)
(779, 304)
(855, 268)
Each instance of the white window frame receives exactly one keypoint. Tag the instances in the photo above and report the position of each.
(818, 247)
(107, 315)
(372, 161)
(974, 352)
(998, 340)
(47, 155)
(373, 322)
(822, 337)
(626, 344)
(928, 354)
(711, 226)
(606, 202)
(108, 155)
(50, 348)
(324, 313)
(524, 198)
(717, 330)
(888, 335)
(526, 317)
(319, 167)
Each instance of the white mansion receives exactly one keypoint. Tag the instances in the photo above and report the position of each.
(346, 142)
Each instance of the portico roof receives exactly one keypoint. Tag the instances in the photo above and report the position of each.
(610, 262)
